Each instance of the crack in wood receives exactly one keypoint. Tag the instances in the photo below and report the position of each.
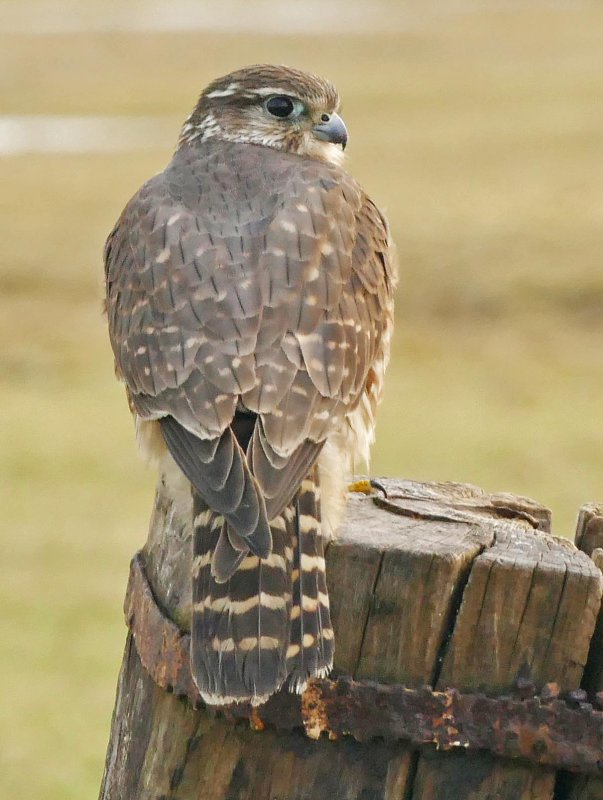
(368, 613)
(455, 608)
(457, 558)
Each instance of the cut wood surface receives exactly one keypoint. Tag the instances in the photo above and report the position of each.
(438, 584)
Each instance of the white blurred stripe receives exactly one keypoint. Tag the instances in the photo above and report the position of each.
(309, 17)
(185, 16)
(67, 134)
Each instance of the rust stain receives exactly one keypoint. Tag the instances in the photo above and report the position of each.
(255, 722)
(314, 714)
(542, 729)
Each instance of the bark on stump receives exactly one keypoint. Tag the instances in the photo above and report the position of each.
(589, 538)
(440, 584)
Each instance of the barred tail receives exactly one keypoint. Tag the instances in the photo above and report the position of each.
(270, 619)
(312, 643)
(240, 627)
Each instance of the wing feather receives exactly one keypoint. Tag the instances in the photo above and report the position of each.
(218, 470)
(242, 277)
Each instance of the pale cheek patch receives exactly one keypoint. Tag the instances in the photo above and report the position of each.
(323, 151)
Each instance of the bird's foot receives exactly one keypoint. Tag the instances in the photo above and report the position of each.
(367, 486)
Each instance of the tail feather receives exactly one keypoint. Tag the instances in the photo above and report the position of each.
(240, 627)
(269, 620)
(312, 643)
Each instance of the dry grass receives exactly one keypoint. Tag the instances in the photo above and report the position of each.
(482, 135)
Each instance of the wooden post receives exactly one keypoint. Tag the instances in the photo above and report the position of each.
(440, 584)
(589, 538)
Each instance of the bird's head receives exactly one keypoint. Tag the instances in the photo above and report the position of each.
(273, 106)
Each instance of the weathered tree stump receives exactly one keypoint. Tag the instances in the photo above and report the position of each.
(440, 585)
(589, 538)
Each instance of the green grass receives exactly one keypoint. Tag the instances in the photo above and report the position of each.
(482, 136)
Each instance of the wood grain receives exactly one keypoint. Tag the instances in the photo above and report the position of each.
(530, 605)
(589, 538)
(438, 584)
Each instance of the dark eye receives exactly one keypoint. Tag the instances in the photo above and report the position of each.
(280, 106)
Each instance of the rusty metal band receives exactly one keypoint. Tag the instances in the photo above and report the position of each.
(543, 730)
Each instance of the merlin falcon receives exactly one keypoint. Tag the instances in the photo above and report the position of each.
(250, 308)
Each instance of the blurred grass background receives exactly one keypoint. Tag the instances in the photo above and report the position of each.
(478, 127)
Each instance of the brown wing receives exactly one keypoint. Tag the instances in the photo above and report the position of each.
(243, 277)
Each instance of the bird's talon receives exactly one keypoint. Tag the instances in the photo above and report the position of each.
(379, 487)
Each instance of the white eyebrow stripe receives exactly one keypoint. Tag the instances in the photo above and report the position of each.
(230, 89)
(270, 90)
(221, 93)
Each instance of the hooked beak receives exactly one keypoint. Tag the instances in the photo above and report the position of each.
(332, 130)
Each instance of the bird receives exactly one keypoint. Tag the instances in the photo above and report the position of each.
(249, 297)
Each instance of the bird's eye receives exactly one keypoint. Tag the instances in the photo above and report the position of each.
(282, 106)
